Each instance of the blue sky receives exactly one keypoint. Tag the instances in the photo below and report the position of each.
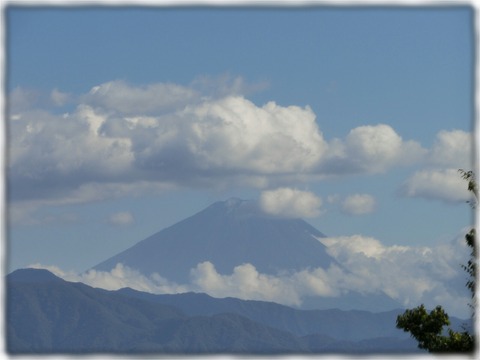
(365, 113)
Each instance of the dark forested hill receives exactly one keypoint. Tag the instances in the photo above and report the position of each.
(48, 315)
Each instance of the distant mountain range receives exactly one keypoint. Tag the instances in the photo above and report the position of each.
(46, 314)
(235, 232)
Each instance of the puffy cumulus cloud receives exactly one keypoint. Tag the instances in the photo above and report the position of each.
(51, 158)
(453, 149)
(244, 283)
(358, 204)
(122, 218)
(371, 149)
(318, 282)
(45, 146)
(290, 203)
(440, 180)
(410, 275)
(208, 142)
(379, 144)
(446, 185)
(190, 136)
(342, 247)
(234, 134)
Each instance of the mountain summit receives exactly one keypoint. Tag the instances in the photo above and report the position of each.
(227, 234)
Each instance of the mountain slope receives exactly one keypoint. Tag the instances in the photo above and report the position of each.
(228, 234)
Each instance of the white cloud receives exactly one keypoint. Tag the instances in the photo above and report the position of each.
(358, 204)
(63, 150)
(371, 149)
(452, 149)
(342, 247)
(379, 144)
(122, 218)
(291, 203)
(190, 136)
(411, 275)
(440, 180)
(244, 283)
(234, 134)
(208, 142)
(446, 185)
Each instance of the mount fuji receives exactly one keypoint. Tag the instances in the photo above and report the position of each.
(228, 234)
(235, 232)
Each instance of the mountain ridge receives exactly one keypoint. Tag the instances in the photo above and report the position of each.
(66, 317)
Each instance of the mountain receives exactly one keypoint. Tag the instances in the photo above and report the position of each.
(234, 232)
(228, 234)
(48, 315)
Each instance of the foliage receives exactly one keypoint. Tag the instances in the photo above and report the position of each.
(472, 184)
(470, 238)
(471, 267)
(427, 328)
